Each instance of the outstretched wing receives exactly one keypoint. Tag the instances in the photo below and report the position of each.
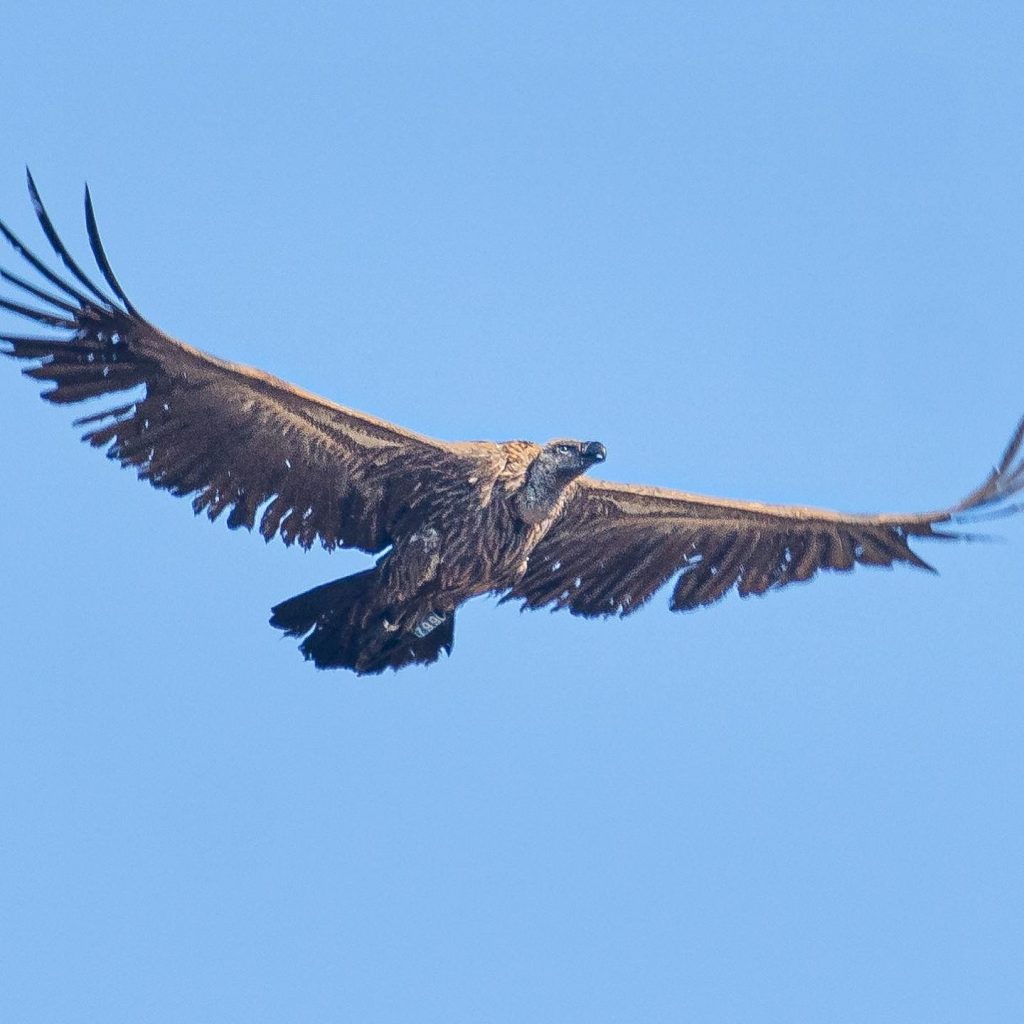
(615, 545)
(233, 437)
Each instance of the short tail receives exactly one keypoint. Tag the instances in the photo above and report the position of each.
(346, 626)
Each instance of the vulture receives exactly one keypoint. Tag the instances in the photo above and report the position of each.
(447, 520)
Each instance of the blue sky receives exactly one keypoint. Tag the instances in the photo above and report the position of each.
(766, 251)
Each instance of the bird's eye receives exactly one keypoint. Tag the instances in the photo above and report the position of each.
(564, 449)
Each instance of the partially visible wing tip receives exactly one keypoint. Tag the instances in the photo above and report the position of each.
(1005, 480)
(58, 246)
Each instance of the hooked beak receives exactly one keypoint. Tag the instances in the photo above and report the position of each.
(595, 451)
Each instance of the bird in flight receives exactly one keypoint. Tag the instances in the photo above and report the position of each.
(448, 520)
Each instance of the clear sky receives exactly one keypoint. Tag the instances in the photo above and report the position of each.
(770, 251)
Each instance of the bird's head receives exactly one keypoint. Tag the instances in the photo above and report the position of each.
(567, 459)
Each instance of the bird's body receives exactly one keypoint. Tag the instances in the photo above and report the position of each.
(447, 520)
(475, 538)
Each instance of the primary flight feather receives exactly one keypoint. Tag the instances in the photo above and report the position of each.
(454, 519)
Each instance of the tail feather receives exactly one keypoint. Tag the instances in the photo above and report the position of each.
(345, 625)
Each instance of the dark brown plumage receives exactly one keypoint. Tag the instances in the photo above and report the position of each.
(450, 520)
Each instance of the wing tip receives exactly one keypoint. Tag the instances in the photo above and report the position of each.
(99, 254)
(1004, 481)
(46, 223)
